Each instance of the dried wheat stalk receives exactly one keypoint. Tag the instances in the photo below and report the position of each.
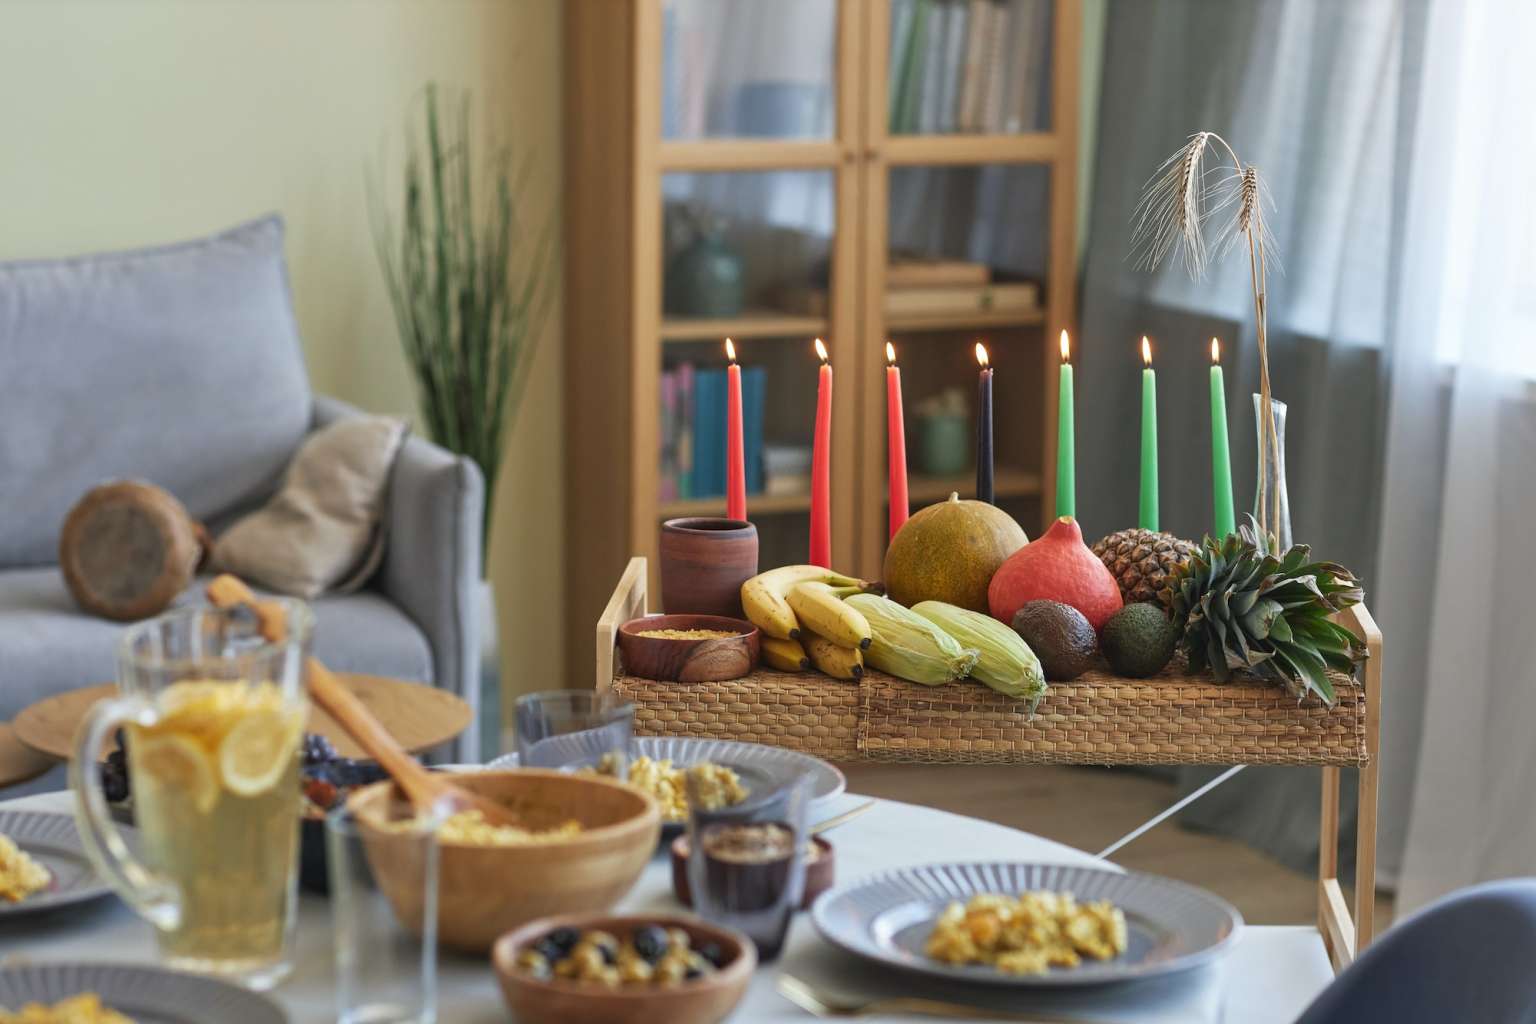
(1175, 206)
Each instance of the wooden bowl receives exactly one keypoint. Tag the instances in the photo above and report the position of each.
(704, 562)
(483, 891)
(689, 661)
(706, 1000)
(819, 873)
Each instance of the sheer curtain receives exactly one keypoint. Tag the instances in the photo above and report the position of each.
(1371, 120)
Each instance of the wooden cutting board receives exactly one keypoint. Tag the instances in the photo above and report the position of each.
(19, 762)
(419, 717)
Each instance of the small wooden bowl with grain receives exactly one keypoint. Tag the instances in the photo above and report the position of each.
(706, 1000)
(482, 890)
(688, 648)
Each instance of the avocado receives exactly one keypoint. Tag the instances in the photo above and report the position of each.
(1059, 635)
(1139, 640)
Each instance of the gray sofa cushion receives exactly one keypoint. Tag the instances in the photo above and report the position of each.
(48, 645)
(179, 365)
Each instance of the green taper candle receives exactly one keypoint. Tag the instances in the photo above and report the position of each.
(1148, 518)
(1066, 460)
(1224, 519)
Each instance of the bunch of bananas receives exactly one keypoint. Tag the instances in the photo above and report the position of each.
(805, 622)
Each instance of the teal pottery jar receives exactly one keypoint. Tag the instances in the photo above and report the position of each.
(704, 278)
(944, 444)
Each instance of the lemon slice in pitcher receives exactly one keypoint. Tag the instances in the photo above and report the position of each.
(179, 763)
(257, 750)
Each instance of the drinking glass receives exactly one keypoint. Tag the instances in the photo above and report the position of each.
(214, 716)
(746, 864)
(384, 911)
(574, 729)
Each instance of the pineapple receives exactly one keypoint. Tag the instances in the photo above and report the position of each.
(1242, 608)
(1141, 560)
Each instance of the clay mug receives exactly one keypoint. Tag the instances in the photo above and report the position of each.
(704, 562)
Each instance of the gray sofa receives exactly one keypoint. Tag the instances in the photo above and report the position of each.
(181, 365)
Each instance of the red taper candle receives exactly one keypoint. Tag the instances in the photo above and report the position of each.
(896, 441)
(735, 454)
(821, 467)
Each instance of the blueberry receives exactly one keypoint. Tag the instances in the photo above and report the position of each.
(651, 942)
(692, 972)
(564, 939)
(712, 952)
(610, 955)
(318, 749)
(549, 950)
(114, 783)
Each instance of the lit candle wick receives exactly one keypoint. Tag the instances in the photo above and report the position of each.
(821, 350)
(1146, 350)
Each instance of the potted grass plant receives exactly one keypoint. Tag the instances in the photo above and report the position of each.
(471, 288)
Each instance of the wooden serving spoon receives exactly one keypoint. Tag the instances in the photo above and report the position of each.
(426, 791)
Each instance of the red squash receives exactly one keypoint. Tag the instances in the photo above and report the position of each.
(1057, 566)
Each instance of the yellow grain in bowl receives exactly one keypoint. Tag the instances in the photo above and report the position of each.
(686, 634)
(85, 1008)
(471, 828)
(20, 875)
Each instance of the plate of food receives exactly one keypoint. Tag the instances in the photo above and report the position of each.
(1027, 925)
(732, 769)
(124, 994)
(43, 864)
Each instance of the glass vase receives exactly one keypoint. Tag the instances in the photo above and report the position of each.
(1271, 505)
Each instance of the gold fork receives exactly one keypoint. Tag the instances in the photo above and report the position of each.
(822, 1004)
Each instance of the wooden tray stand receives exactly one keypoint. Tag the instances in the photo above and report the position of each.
(1099, 719)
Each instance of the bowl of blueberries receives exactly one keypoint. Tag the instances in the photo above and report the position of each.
(639, 969)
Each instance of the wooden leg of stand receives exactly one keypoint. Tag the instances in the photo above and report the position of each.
(1333, 919)
(1365, 842)
(628, 602)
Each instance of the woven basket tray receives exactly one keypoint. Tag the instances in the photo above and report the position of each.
(1099, 718)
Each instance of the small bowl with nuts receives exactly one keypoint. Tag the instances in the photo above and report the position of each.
(688, 648)
(639, 969)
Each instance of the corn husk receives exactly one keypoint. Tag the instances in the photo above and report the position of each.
(908, 646)
(1004, 661)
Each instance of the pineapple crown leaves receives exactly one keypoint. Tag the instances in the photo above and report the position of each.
(1243, 607)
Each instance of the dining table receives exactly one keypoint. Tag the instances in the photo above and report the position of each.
(1268, 976)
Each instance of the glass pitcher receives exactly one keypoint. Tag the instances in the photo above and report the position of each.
(214, 719)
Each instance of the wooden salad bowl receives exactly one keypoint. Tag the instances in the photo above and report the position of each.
(484, 891)
(706, 1000)
(689, 660)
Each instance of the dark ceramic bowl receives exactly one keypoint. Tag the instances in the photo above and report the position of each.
(819, 873)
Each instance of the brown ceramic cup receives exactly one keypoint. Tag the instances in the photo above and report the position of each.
(704, 562)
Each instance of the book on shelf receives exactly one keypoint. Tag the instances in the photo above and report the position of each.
(693, 409)
(935, 301)
(934, 272)
(966, 65)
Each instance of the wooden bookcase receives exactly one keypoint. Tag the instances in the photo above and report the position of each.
(621, 166)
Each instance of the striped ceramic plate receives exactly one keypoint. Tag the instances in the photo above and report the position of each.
(887, 918)
(51, 840)
(148, 995)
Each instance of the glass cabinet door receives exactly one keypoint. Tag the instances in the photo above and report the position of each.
(748, 69)
(977, 67)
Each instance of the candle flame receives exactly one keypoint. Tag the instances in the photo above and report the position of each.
(1066, 349)
(890, 353)
(730, 350)
(1215, 352)
(981, 354)
(1146, 350)
(821, 350)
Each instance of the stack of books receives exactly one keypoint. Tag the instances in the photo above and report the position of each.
(922, 286)
(693, 431)
(968, 65)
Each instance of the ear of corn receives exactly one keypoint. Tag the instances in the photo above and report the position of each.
(1004, 661)
(909, 646)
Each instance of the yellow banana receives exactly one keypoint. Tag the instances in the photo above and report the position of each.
(820, 609)
(763, 596)
(784, 655)
(833, 659)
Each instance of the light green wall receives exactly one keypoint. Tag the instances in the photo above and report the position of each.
(132, 122)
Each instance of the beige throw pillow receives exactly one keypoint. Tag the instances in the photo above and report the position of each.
(322, 529)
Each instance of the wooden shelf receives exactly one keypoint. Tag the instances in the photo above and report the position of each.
(751, 324)
(757, 504)
(727, 154)
(1006, 483)
(929, 150)
(981, 318)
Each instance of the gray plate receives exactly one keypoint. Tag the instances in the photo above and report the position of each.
(149, 995)
(887, 918)
(761, 767)
(51, 840)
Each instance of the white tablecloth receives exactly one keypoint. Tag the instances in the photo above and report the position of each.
(1269, 977)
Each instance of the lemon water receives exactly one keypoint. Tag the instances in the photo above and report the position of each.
(216, 795)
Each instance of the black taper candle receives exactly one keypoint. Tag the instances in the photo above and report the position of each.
(984, 489)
